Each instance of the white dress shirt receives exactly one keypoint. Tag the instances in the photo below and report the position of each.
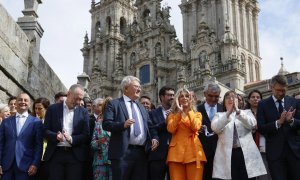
(68, 115)
(20, 120)
(140, 139)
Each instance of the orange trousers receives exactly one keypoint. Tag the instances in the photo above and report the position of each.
(180, 171)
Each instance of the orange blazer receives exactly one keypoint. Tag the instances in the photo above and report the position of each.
(185, 146)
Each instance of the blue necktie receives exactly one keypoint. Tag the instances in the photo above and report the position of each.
(280, 107)
(211, 113)
(136, 125)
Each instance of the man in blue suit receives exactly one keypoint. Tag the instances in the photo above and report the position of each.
(66, 129)
(127, 121)
(21, 143)
(158, 128)
(207, 137)
(279, 120)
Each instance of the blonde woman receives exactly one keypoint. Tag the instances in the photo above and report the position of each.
(186, 157)
(4, 112)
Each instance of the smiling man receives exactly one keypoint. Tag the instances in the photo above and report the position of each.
(20, 143)
(127, 121)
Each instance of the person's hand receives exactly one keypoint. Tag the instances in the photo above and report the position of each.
(282, 118)
(60, 136)
(128, 122)
(290, 114)
(168, 112)
(32, 170)
(154, 145)
(67, 136)
(180, 108)
(230, 107)
(236, 106)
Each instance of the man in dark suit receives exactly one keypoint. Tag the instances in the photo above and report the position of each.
(157, 167)
(207, 137)
(279, 120)
(66, 129)
(127, 122)
(21, 143)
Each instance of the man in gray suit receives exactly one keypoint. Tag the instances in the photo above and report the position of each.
(127, 121)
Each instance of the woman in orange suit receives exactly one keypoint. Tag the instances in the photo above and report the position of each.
(186, 157)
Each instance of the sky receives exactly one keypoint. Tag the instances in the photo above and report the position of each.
(65, 23)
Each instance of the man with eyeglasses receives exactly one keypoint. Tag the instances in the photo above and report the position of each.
(127, 120)
(157, 156)
(207, 137)
(278, 118)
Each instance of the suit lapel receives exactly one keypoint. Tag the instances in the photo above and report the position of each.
(76, 113)
(61, 115)
(160, 114)
(272, 105)
(123, 107)
(204, 115)
(14, 125)
(27, 122)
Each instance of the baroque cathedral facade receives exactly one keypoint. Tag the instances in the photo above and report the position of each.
(220, 43)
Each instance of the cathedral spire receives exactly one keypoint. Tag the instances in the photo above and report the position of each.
(282, 70)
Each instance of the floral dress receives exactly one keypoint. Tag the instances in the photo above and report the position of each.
(99, 144)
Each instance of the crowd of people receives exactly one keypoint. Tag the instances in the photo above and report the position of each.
(128, 138)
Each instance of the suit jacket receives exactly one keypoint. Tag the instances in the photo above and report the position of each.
(158, 130)
(209, 143)
(224, 127)
(80, 135)
(26, 148)
(267, 114)
(114, 118)
(185, 146)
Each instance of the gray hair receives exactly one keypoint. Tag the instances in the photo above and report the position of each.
(75, 86)
(211, 86)
(127, 80)
(98, 101)
(279, 79)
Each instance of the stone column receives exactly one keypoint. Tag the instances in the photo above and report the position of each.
(244, 26)
(251, 33)
(185, 27)
(237, 20)
(213, 19)
(256, 35)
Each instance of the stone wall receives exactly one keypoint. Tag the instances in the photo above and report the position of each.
(18, 73)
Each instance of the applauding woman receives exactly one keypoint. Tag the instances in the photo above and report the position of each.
(237, 156)
(186, 157)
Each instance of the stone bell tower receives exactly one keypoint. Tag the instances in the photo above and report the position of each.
(221, 37)
(103, 60)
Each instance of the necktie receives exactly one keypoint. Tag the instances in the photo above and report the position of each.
(280, 107)
(19, 124)
(211, 113)
(136, 125)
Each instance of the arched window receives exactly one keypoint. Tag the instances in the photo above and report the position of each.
(132, 58)
(147, 18)
(145, 74)
(123, 25)
(98, 26)
(250, 70)
(108, 24)
(158, 49)
(257, 70)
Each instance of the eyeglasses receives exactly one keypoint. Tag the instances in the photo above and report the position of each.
(137, 86)
(213, 96)
(170, 95)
